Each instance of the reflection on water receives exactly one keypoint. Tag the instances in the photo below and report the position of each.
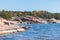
(36, 32)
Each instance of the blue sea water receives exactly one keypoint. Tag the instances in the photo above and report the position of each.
(36, 32)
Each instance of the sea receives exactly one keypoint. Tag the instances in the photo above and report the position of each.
(36, 32)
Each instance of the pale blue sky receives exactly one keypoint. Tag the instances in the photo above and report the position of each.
(30, 5)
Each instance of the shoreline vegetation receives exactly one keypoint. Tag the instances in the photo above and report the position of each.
(9, 19)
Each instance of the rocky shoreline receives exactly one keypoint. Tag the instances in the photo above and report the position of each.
(12, 31)
(8, 26)
(30, 20)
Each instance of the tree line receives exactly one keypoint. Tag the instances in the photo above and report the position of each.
(41, 14)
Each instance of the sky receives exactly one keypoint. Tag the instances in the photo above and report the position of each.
(30, 5)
